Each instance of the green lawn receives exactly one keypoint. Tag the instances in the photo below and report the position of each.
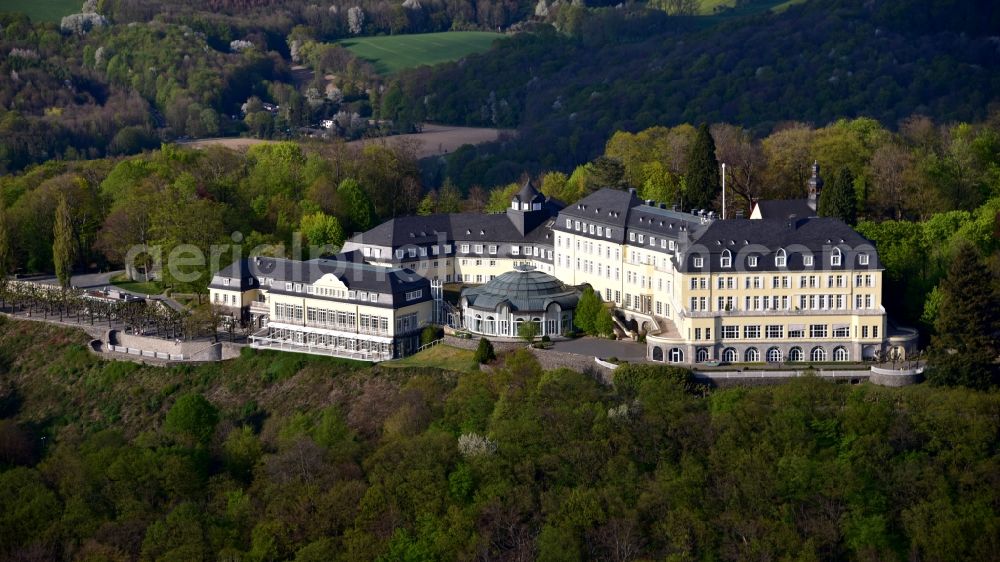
(393, 53)
(42, 10)
(151, 288)
(440, 356)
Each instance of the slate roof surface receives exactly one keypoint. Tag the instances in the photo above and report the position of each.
(785, 208)
(524, 290)
(764, 237)
(348, 268)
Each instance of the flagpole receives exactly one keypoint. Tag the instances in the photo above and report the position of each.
(723, 191)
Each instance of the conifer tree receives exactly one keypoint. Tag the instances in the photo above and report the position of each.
(838, 199)
(702, 180)
(603, 324)
(62, 246)
(965, 346)
(586, 310)
(485, 352)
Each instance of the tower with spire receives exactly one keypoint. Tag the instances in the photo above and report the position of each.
(815, 186)
(527, 208)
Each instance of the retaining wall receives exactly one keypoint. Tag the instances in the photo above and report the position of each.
(896, 377)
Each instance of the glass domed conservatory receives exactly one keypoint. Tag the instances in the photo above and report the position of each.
(499, 307)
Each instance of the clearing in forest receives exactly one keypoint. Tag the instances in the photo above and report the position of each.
(393, 53)
(42, 10)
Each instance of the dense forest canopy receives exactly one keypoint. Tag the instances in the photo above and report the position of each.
(124, 75)
(815, 62)
(282, 457)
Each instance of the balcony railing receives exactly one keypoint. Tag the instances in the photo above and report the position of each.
(783, 312)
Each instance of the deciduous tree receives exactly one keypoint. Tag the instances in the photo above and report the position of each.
(63, 248)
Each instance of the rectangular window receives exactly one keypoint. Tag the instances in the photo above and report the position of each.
(493, 249)
(751, 332)
(864, 332)
(842, 332)
(479, 248)
(465, 248)
(569, 223)
(796, 332)
(863, 259)
(697, 333)
(600, 231)
(874, 331)
(730, 332)
(817, 330)
(774, 331)
(515, 250)
(699, 262)
(807, 261)
(752, 261)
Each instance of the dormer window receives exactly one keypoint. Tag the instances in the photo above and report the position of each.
(835, 257)
(727, 259)
(752, 261)
(569, 223)
(699, 262)
(807, 261)
(780, 259)
(863, 259)
(225, 282)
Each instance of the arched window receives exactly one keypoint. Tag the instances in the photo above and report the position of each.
(702, 354)
(818, 354)
(795, 354)
(780, 258)
(751, 355)
(729, 355)
(835, 257)
(841, 354)
(727, 259)
(676, 355)
(774, 355)
(657, 354)
(478, 325)
(490, 325)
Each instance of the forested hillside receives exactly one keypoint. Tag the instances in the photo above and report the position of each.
(281, 457)
(815, 62)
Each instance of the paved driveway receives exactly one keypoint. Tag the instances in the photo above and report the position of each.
(597, 347)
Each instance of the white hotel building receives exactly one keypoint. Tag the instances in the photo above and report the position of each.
(699, 289)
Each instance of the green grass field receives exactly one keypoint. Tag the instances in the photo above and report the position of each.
(393, 53)
(42, 10)
(441, 357)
